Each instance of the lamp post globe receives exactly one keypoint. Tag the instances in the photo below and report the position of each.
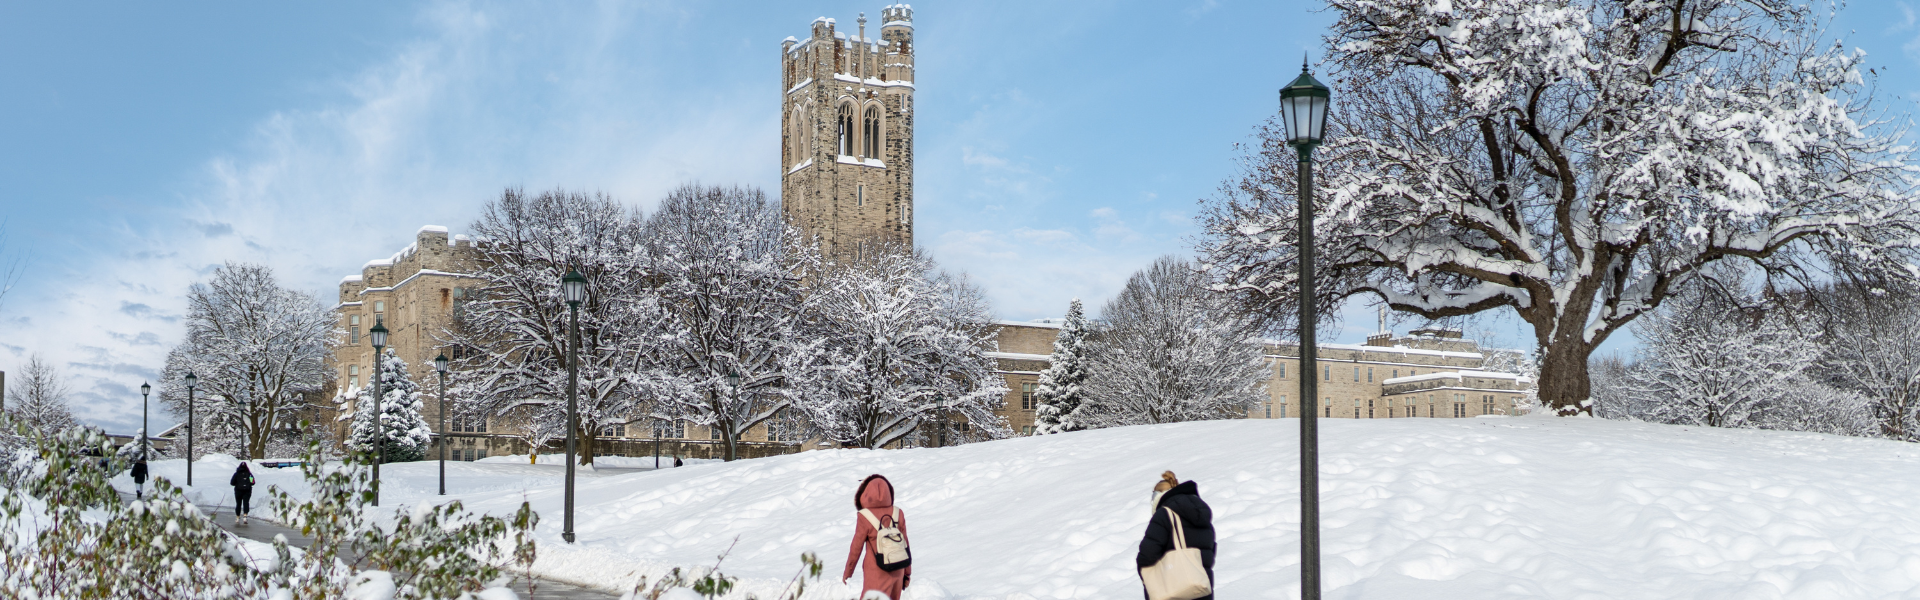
(379, 335)
(1303, 110)
(573, 289)
(191, 382)
(440, 366)
(1304, 106)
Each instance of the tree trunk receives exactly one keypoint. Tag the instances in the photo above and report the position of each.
(1564, 385)
(586, 447)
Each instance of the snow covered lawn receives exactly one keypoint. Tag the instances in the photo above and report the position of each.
(1413, 508)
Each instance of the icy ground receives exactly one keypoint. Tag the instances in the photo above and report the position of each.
(1413, 508)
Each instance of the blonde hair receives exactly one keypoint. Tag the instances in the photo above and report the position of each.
(1167, 481)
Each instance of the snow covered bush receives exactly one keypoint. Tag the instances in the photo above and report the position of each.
(1062, 389)
(406, 433)
(1572, 161)
(258, 350)
(65, 533)
(906, 350)
(1875, 351)
(1170, 350)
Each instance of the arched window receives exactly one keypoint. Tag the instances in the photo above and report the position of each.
(871, 126)
(846, 129)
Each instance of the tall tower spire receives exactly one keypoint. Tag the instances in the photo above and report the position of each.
(847, 132)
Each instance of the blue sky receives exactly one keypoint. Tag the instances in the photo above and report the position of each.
(1059, 146)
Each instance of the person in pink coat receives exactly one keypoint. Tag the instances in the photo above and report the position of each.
(875, 495)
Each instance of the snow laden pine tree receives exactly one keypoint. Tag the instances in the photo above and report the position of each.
(406, 432)
(258, 349)
(516, 323)
(1572, 161)
(907, 352)
(1062, 390)
(1170, 350)
(727, 272)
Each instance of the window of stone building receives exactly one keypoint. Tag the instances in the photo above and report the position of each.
(860, 195)
(616, 430)
(1280, 368)
(1026, 430)
(713, 432)
(871, 126)
(1486, 405)
(1329, 375)
(1269, 410)
(1369, 374)
(1283, 407)
(1027, 398)
(379, 306)
(1396, 373)
(353, 381)
(1356, 374)
(1369, 408)
(1459, 410)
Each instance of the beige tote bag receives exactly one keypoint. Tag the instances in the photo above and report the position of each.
(1179, 575)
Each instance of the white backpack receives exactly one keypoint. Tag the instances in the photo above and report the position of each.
(889, 546)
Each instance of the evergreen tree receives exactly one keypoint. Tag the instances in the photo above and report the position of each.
(407, 433)
(1062, 387)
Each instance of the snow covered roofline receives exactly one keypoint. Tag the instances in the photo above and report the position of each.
(432, 228)
(1018, 356)
(1454, 375)
(1033, 323)
(1393, 349)
(350, 279)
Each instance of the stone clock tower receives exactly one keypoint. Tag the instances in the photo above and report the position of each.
(847, 131)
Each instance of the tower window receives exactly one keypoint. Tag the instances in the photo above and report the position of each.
(871, 126)
(846, 130)
(860, 195)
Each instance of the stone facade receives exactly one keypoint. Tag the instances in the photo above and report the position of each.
(847, 131)
(1429, 373)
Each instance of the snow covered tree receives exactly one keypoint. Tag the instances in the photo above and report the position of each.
(258, 350)
(1572, 161)
(537, 424)
(38, 398)
(517, 322)
(1061, 392)
(1875, 352)
(728, 274)
(406, 433)
(907, 350)
(1169, 350)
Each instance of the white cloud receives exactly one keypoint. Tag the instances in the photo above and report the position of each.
(423, 136)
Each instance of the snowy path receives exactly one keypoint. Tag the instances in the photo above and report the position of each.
(1414, 508)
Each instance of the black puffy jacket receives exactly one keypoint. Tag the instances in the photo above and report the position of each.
(1196, 518)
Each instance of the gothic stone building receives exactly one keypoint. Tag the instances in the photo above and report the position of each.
(846, 144)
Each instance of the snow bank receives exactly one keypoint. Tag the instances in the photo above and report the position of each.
(623, 462)
(1413, 508)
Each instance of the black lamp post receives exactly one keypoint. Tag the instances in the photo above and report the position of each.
(1303, 109)
(191, 381)
(573, 288)
(379, 334)
(440, 365)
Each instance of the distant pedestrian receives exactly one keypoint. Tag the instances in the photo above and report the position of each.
(242, 492)
(139, 478)
(676, 461)
(1173, 497)
(879, 542)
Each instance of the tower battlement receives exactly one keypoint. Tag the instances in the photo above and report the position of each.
(847, 130)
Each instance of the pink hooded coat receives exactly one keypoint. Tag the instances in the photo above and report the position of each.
(876, 494)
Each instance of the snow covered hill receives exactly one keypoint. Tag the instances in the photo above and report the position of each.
(1414, 508)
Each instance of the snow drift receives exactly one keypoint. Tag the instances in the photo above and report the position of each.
(1413, 508)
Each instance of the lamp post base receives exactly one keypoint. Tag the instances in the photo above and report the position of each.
(568, 536)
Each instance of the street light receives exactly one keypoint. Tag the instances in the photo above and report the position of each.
(1303, 110)
(573, 288)
(379, 333)
(440, 364)
(143, 424)
(191, 381)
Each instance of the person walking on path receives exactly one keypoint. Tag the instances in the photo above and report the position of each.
(1196, 520)
(242, 492)
(139, 479)
(874, 501)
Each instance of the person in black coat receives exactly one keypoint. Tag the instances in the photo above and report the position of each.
(139, 478)
(1196, 519)
(242, 482)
